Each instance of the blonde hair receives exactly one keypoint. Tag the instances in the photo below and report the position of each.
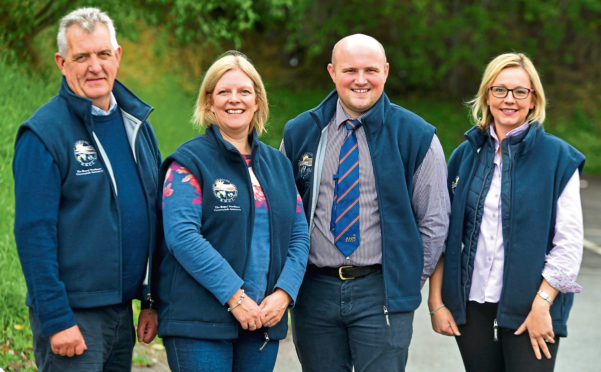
(232, 60)
(479, 109)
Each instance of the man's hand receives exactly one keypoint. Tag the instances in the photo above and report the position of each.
(274, 306)
(68, 342)
(147, 325)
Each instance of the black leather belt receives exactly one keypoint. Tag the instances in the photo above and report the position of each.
(344, 272)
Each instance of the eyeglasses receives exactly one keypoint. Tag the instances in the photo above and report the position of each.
(518, 93)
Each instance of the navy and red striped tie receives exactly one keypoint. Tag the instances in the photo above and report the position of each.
(345, 207)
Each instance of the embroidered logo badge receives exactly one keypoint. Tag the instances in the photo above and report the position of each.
(305, 164)
(85, 153)
(454, 185)
(224, 190)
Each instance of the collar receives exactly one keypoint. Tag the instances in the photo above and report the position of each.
(97, 111)
(327, 109)
(514, 132)
(213, 130)
(127, 101)
(524, 138)
(341, 116)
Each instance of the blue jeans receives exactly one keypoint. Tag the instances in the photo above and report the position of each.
(109, 335)
(242, 354)
(340, 324)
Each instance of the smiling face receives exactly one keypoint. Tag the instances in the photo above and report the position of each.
(90, 64)
(508, 112)
(359, 71)
(234, 102)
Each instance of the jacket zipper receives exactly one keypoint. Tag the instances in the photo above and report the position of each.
(386, 315)
(471, 242)
(371, 151)
(149, 299)
(508, 243)
(147, 281)
(266, 337)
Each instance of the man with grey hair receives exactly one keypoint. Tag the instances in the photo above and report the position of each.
(86, 207)
(372, 175)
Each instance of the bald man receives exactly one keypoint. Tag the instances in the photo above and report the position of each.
(355, 307)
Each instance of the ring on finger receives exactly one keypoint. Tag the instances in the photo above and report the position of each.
(251, 326)
(548, 339)
(268, 324)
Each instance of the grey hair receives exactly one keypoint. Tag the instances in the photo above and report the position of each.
(86, 18)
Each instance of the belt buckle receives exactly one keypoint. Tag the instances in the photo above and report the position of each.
(342, 277)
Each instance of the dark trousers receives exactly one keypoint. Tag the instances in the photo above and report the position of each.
(340, 325)
(109, 335)
(510, 353)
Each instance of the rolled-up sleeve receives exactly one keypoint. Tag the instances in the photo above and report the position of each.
(563, 261)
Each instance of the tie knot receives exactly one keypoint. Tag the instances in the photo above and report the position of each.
(352, 124)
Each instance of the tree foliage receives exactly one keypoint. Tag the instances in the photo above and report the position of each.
(444, 45)
(186, 21)
(432, 45)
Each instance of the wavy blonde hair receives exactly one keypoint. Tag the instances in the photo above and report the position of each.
(479, 110)
(231, 60)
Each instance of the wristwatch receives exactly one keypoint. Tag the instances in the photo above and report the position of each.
(545, 296)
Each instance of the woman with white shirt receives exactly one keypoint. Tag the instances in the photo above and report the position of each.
(515, 237)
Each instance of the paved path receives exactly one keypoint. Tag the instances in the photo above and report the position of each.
(432, 352)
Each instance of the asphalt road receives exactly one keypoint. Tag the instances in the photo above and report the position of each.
(431, 352)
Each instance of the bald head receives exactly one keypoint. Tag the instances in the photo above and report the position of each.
(359, 71)
(358, 41)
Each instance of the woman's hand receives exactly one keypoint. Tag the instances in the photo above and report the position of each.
(274, 306)
(444, 323)
(538, 322)
(540, 327)
(247, 313)
(441, 318)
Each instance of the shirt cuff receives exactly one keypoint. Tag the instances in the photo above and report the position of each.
(559, 280)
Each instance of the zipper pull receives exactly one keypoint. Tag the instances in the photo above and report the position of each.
(150, 301)
(386, 315)
(495, 326)
(264, 343)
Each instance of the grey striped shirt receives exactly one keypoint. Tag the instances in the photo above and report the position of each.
(430, 202)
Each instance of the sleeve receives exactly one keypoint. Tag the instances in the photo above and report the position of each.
(293, 272)
(182, 215)
(563, 261)
(430, 202)
(37, 200)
